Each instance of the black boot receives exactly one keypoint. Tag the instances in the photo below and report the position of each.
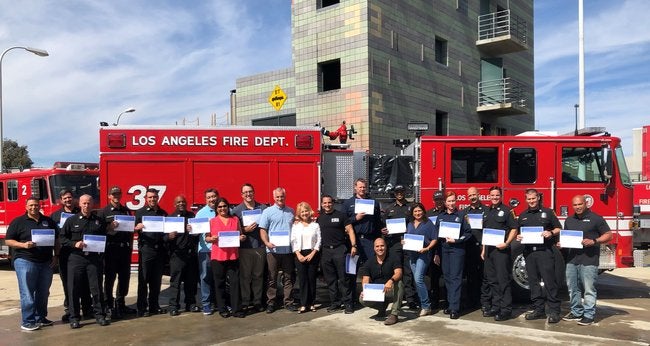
(117, 312)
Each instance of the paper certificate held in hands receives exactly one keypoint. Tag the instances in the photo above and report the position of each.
(229, 239)
(199, 225)
(43, 237)
(449, 230)
(64, 216)
(153, 224)
(280, 238)
(395, 226)
(413, 242)
(493, 237)
(125, 223)
(251, 216)
(94, 243)
(364, 206)
(571, 239)
(174, 224)
(373, 293)
(351, 264)
(475, 221)
(532, 235)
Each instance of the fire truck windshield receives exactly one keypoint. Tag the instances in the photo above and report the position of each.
(79, 184)
(622, 167)
(582, 165)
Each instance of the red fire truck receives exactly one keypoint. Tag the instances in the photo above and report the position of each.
(182, 160)
(45, 184)
(642, 203)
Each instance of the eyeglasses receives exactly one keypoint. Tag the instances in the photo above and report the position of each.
(222, 206)
(247, 192)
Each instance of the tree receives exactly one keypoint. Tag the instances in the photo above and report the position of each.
(15, 156)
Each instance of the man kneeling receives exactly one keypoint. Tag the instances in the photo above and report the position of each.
(386, 271)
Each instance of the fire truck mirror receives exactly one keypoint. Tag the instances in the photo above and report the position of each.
(564, 210)
(607, 163)
(513, 202)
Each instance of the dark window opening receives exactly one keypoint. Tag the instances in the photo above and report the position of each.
(441, 123)
(2, 191)
(12, 190)
(522, 168)
(281, 120)
(441, 51)
(486, 129)
(326, 3)
(474, 165)
(329, 75)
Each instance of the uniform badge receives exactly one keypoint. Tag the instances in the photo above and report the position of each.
(543, 215)
(45, 223)
(501, 213)
(457, 219)
(335, 219)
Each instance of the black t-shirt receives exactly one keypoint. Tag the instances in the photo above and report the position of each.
(150, 239)
(77, 226)
(332, 228)
(479, 209)
(380, 273)
(544, 217)
(501, 217)
(107, 214)
(56, 216)
(253, 239)
(20, 229)
(185, 242)
(592, 226)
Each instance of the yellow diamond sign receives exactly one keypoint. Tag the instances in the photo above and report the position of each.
(277, 98)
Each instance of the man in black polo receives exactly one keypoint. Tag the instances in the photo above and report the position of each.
(386, 270)
(333, 229)
(151, 259)
(473, 262)
(117, 263)
(84, 266)
(540, 261)
(183, 262)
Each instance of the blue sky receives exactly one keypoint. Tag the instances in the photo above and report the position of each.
(175, 60)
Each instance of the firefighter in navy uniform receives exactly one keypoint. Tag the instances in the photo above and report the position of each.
(435, 271)
(473, 248)
(401, 208)
(540, 261)
(151, 260)
(117, 259)
(497, 299)
(84, 266)
(183, 262)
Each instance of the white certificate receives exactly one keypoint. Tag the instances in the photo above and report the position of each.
(433, 219)
(200, 225)
(351, 264)
(413, 242)
(94, 243)
(373, 293)
(569, 239)
(475, 221)
(449, 230)
(125, 223)
(493, 237)
(64, 216)
(364, 206)
(250, 216)
(280, 238)
(153, 224)
(174, 224)
(43, 237)
(396, 226)
(532, 235)
(229, 239)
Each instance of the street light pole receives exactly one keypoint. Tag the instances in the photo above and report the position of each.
(39, 52)
(128, 110)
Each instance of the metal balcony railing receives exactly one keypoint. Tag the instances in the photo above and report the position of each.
(501, 92)
(502, 23)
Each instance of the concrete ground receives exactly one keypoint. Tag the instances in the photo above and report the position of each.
(623, 319)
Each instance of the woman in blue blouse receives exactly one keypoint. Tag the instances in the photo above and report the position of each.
(419, 260)
(452, 251)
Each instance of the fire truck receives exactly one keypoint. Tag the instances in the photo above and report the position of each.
(642, 203)
(45, 184)
(189, 160)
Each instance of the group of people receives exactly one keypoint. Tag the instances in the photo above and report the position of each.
(277, 242)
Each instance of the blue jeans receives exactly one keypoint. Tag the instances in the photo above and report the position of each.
(581, 279)
(205, 279)
(34, 280)
(419, 266)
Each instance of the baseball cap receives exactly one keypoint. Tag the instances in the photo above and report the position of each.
(398, 188)
(114, 190)
(438, 195)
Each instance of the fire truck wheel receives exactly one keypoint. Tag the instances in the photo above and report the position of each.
(520, 288)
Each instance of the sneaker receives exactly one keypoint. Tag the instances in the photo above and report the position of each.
(392, 319)
(585, 321)
(207, 311)
(44, 322)
(571, 317)
(425, 312)
(535, 315)
(30, 326)
(554, 318)
(349, 309)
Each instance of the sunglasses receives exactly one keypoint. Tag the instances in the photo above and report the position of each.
(222, 206)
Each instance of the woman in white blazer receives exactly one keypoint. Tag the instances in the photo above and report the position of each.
(305, 244)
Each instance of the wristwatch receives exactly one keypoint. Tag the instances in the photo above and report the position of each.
(354, 245)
